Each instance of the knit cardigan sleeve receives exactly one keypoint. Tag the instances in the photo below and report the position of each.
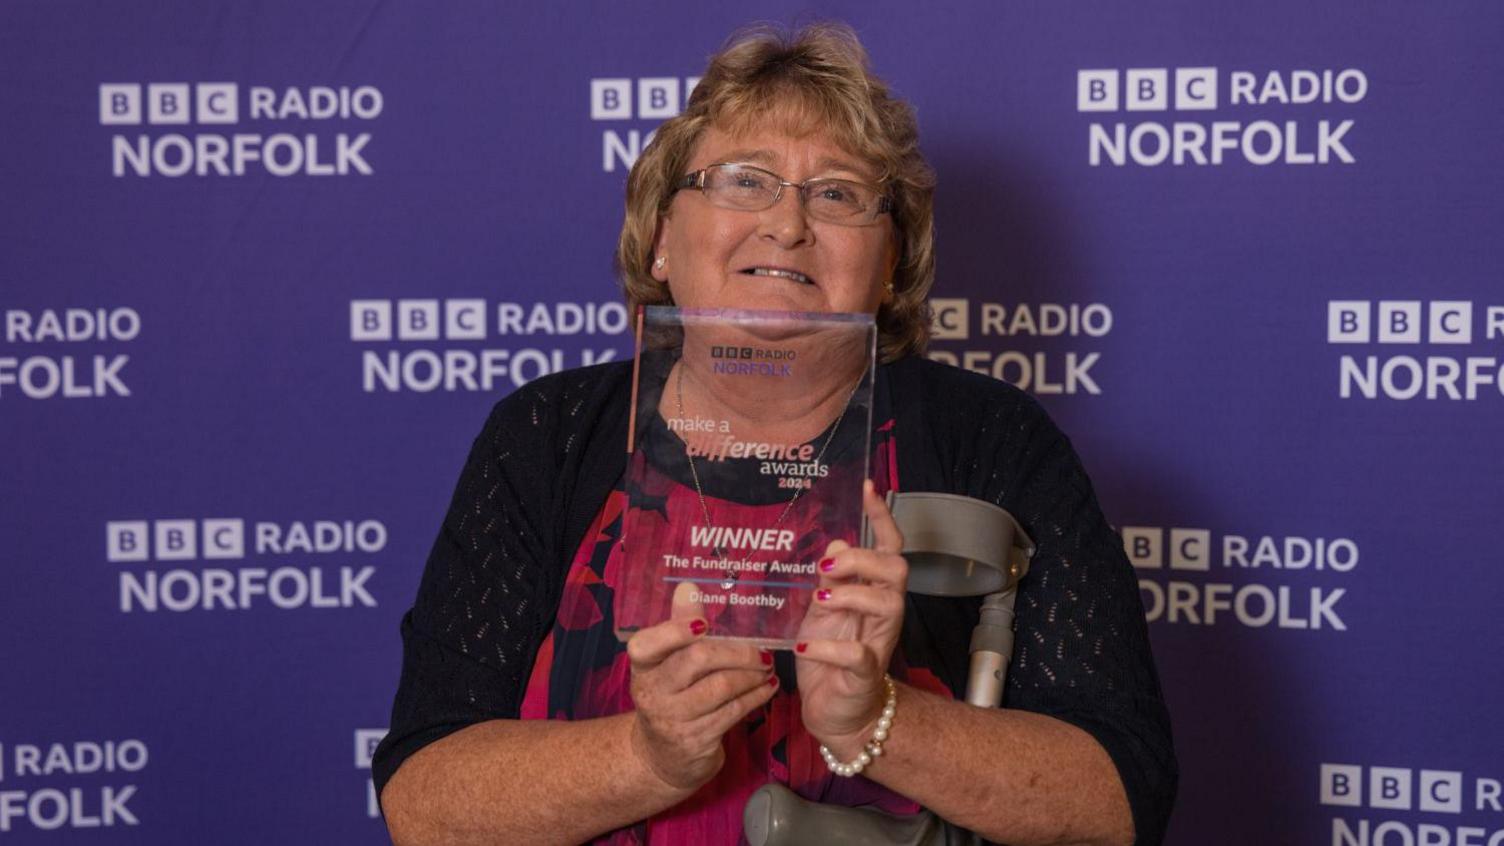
(540, 467)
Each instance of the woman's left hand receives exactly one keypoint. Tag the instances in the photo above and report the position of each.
(850, 632)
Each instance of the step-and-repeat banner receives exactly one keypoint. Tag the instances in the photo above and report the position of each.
(266, 266)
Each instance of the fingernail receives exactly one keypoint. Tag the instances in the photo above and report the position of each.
(697, 627)
(827, 564)
(773, 680)
(767, 658)
(822, 595)
(800, 647)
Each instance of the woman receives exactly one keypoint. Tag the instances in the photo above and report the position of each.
(519, 718)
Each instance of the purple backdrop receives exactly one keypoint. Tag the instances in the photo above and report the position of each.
(266, 267)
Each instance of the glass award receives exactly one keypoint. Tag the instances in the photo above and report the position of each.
(748, 445)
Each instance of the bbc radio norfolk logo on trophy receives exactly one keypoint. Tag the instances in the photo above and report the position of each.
(631, 108)
(1018, 328)
(1150, 116)
(225, 129)
(426, 345)
(1414, 349)
(232, 564)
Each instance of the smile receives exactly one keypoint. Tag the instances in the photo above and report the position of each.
(792, 275)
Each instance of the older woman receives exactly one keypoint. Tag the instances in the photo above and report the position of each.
(792, 181)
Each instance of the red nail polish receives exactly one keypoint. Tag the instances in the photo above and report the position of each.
(767, 658)
(822, 594)
(827, 564)
(773, 680)
(697, 627)
(800, 647)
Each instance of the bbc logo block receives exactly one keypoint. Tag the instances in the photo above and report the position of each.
(168, 103)
(1399, 322)
(1187, 549)
(418, 320)
(950, 319)
(655, 97)
(1146, 89)
(174, 540)
(366, 741)
(1391, 788)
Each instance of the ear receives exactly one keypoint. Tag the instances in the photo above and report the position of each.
(660, 251)
(895, 249)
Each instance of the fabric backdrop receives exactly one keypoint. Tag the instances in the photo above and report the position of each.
(266, 266)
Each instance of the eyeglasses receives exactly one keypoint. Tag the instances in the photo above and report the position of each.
(747, 188)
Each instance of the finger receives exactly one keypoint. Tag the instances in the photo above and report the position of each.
(649, 647)
(867, 565)
(688, 666)
(731, 712)
(869, 600)
(826, 569)
(685, 625)
(885, 533)
(820, 620)
(685, 604)
(710, 693)
(848, 655)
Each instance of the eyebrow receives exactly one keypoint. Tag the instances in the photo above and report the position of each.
(824, 165)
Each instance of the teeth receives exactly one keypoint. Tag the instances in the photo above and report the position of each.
(786, 274)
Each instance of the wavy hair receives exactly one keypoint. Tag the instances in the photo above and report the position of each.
(813, 79)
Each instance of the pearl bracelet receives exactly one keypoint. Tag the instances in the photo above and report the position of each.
(874, 747)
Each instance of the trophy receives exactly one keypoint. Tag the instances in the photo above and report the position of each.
(748, 446)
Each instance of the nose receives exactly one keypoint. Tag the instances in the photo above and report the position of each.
(784, 222)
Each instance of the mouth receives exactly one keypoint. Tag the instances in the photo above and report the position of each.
(779, 273)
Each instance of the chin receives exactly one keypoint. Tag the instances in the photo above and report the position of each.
(784, 303)
(768, 300)
(784, 296)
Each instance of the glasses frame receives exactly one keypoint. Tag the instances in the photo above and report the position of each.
(697, 179)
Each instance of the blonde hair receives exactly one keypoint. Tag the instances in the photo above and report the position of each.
(814, 79)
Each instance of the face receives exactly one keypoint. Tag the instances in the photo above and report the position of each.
(728, 258)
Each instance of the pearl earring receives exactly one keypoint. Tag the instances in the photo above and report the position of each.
(659, 263)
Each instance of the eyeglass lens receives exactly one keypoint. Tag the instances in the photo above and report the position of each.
(754, 189)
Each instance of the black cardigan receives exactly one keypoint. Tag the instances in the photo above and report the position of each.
(552, 451)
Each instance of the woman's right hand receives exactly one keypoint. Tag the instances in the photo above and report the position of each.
(688, 692)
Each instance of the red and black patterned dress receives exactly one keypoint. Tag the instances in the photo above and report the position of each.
(513, 615)
(582, 671)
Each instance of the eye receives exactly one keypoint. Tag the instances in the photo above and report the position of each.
(746, 182)
(840, 193)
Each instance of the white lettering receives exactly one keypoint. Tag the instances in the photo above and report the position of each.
(1261, 142)
(1405, 377)
(1253, 605)
(460, 369)
(207, 590)
(282, 154)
